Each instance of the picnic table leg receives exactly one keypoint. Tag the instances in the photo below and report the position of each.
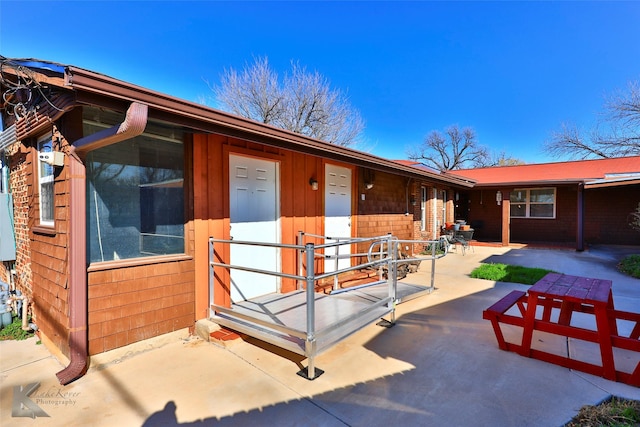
(527, 330)
(566, 310)
(604, 337)
(547, 305)
(612, 316)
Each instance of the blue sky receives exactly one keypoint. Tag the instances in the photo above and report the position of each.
(514, 71)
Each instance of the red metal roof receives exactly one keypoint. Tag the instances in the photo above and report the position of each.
(560, 172)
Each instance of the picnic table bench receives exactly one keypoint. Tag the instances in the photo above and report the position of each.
(549, 305)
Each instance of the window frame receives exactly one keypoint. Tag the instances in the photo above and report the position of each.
(424, 197)
(161, 132)
(44, 180)
(445, 199)
(527, 202)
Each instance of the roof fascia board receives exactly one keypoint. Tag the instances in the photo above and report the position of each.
(526, 183)
(611, 183)
(210, 120)
(47, 76)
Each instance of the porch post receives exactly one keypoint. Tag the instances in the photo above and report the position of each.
(506, 218)
(580, 219)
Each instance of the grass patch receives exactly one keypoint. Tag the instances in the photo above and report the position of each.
(14, 331)
(630, 265)
(612, 412)
(509, 273)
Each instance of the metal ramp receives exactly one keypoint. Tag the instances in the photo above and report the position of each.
(307, 322)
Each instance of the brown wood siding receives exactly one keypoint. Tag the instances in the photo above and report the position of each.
(562, 229)
(485, 215)
(384, 208)
(126, 303)
(48, 255)
(129, 304)
(607, 210)
(300, 206)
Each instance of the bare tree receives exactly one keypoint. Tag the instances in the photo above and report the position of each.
(457, 149)
(502, 159)
(616, 135)
(252, 93)
(304, 102)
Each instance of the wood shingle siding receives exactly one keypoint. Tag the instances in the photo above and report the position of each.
(130, 304)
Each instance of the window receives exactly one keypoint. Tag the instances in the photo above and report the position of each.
(444, 207)
(136, 196)
(423, 209)
(45, 183)
(533, 203)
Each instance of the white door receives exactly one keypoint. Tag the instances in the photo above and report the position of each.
(337, 212)
(254, 211)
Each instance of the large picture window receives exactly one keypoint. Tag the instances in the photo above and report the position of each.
(136, 197)
(533, 203)
(45, 183)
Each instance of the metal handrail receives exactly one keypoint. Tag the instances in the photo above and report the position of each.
(388, 256)
(341, 241)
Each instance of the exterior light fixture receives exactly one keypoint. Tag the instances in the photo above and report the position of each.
(313, 183)
(498, 197)
(368, 185)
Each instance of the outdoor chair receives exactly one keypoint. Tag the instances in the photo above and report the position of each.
(463, 238)
(446, 242)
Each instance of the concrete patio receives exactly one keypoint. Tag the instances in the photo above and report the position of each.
(440, 365)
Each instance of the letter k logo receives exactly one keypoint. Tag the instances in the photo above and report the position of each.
(22, 405)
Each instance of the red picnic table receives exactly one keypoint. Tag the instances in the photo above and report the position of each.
(548, 306)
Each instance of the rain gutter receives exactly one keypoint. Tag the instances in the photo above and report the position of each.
(133, 125)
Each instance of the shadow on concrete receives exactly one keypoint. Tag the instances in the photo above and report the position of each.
(460, 377)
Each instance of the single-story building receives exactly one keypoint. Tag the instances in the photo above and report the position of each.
(112, 191)
(573, 203)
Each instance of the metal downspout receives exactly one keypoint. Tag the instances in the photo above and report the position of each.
(133, 125)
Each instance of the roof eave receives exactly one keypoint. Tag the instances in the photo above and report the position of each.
(88, 81)
(480, 185)
(611, 183)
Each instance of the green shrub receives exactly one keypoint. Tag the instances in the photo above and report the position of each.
(630, 265)
(509, 273)
(14, 331)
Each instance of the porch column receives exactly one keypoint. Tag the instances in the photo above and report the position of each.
(506, 218)
(580, 219)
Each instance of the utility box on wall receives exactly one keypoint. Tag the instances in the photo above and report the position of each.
(7, 239)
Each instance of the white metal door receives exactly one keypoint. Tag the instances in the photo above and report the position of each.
(337, 212)
(254, 210)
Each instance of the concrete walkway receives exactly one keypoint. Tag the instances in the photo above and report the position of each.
(440, 365)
